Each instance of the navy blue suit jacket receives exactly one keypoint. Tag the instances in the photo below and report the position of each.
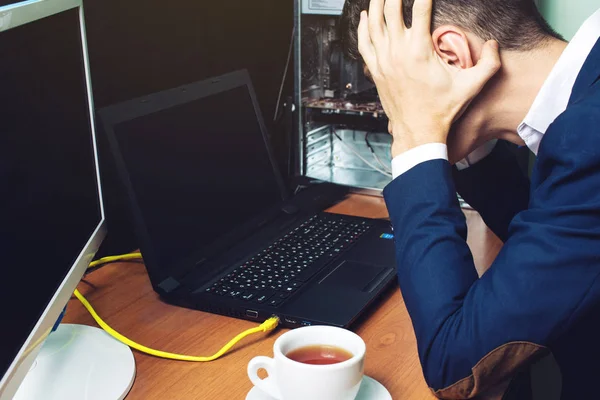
(542, 293)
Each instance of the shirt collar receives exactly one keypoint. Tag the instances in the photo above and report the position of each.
(555, 93)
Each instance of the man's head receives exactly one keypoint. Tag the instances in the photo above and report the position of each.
(514, 24)
(459, 30)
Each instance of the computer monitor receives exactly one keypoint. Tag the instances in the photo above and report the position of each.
(51, 212)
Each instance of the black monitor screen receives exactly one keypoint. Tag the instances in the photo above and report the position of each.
(49, 204)
(198, 170)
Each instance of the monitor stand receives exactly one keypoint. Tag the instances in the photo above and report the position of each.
(79, 362)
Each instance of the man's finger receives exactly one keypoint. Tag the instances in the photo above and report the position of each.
(376, 22)
(489, 63)
(421, 17)
(365, 46)
(393, 16)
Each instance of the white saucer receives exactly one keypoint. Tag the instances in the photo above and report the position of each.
(370, 389)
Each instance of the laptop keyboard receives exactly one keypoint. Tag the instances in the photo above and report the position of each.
(278, 271)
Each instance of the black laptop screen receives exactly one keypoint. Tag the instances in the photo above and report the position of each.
(198, 170)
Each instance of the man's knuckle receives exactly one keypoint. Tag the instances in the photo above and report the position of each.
(361, 47)
(373, 30)
(496, 64)
(493, 65)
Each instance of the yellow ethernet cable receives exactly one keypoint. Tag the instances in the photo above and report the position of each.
(267, 326)
(121, 257)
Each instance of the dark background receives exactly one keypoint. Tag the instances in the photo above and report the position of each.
(139, 47)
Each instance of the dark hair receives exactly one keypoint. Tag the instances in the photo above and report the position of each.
(514, 24)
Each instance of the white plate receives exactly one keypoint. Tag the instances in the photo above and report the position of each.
(370, 389)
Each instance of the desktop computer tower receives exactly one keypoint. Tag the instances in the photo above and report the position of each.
(340, 130)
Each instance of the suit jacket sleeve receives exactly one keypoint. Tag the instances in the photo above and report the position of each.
(473, 334)
(495, 187)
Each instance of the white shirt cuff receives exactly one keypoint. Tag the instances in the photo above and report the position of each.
(477, 155)
(413, 157)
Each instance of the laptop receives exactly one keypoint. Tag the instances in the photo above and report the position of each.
(219, 231)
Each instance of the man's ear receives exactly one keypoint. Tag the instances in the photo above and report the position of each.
(452, 46)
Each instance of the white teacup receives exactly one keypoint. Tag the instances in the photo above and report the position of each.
(292, 380)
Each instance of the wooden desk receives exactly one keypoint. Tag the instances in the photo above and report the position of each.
(122, 295)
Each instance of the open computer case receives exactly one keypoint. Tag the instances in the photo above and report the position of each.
(340, 129)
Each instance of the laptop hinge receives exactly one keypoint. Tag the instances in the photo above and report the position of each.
(168, 285)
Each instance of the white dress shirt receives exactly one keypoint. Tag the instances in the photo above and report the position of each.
(550, 102)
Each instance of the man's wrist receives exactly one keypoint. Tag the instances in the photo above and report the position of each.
(405, 139)
(401, 145)
(415, 156)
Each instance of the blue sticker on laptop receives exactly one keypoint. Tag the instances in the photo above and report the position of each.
(386, 236)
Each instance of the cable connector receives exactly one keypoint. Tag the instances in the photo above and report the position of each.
(270, 324)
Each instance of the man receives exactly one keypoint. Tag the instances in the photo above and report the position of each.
(453, 78)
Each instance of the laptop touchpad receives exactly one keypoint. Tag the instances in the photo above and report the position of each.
(356, 275)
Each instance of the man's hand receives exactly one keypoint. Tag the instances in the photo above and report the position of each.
(420, 93)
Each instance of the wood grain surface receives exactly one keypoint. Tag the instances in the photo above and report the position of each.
(123, 296)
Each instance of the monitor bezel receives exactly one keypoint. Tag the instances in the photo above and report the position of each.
(12, 16)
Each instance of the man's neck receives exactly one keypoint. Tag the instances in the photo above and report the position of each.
(513, 92)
